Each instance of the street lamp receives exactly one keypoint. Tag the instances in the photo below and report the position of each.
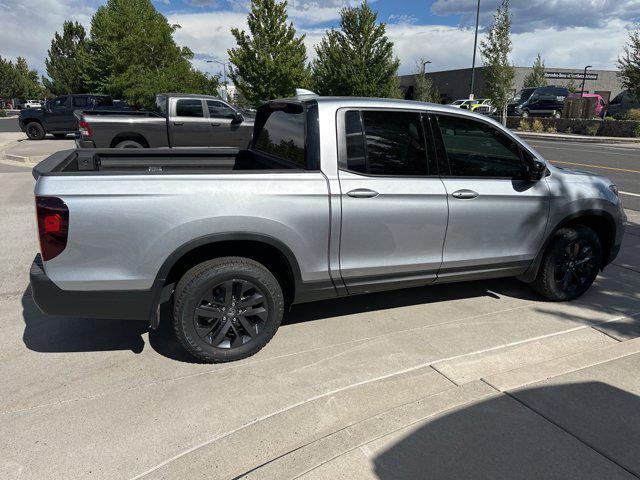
(584, 78)
(224, 75)
(424, 66)
(475, 47)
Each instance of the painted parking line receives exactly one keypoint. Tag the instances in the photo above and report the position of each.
(596, 166)
(629, 193)
(590, 149)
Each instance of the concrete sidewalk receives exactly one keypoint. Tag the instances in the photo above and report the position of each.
(16, 147)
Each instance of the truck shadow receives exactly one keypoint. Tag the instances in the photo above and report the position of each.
(517, 436)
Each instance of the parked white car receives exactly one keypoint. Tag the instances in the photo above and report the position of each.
(31, 104)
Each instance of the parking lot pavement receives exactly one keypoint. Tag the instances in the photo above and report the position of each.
(17, 147)
(380, 386)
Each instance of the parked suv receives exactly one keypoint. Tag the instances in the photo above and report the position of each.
(334, 197)
(543, 102)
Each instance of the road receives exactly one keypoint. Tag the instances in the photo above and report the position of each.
(619, 163)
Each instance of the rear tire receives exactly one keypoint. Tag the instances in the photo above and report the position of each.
(227, 309)
(35, 131)
(570, 264)
(129, 144)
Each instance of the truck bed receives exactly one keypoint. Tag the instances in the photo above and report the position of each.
(157, 161)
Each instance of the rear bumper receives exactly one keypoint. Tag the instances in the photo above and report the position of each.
(108, 304)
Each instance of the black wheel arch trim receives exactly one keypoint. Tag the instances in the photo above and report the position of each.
(303, 291)
(532, 272)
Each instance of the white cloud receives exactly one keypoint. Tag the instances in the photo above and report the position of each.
(530, 15)
(29, 25)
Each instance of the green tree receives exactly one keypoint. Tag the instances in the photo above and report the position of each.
(629, 65)
(269, 61)
(571, 86)
(425, 90)
(7, 78)
(356, 60)
(132, 54)
(499, 73)
(67, 61)
(536, 78)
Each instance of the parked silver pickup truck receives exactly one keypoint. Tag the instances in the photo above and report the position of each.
(335, 197)
(180, 120)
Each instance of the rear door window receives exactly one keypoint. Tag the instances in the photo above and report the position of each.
(80, 102)
(383, 142)
(189, 108)
(283, 134)
(477, 149)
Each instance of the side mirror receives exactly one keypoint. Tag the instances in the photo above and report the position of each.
(537, 169)
(237, 118)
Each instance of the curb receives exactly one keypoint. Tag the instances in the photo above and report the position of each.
(32, 160)
(576, 138)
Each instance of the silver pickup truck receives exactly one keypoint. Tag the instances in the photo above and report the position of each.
(335, 197)
(180, 120)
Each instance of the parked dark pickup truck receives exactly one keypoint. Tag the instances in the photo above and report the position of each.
(56, 116)
(181, 120)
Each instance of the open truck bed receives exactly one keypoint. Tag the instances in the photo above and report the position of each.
(157, 161)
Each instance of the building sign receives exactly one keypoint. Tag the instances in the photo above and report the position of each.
(571, 75)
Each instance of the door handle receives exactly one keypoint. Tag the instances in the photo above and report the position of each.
(362, 193)
(465, 194)
(215, 124)
(178, 123)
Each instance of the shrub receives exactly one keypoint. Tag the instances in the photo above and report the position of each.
(552, 129)
(537, 126)
(592, 129)
(524, 125)
(636, 130)
(2, 113)
(633, 114)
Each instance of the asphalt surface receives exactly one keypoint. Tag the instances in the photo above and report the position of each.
(619, 163)
(9, 125)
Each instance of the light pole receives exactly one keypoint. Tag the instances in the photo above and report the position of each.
(475, 47)
(584, 78)
(424, 66)
(224, 75)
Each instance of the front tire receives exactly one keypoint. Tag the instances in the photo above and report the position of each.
(525, 114)
(35, 131)
(227, 309)
(570, 264)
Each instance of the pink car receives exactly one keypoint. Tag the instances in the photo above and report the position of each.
(601, 106)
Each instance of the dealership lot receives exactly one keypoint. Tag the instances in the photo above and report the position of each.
(480, 379)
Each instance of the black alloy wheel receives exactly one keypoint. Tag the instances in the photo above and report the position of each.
(576, 268)
(231, 314)
(570, 264)
(227, 308)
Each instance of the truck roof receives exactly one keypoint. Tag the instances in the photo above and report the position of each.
(189, 95)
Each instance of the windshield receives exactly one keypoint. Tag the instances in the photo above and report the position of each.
(523, 95)
(458, 102)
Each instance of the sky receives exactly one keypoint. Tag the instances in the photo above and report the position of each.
(568, 33)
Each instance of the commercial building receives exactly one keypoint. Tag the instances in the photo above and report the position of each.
(455, 84)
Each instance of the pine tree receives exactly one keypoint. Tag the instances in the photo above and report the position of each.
(499, 74)
(356, 60)
(425, 90)
(133, 56)
(66, 65)
(269, 61)
(629, 65)
(536, 78)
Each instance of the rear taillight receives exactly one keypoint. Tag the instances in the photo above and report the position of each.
(53, 226)
(85, 129)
